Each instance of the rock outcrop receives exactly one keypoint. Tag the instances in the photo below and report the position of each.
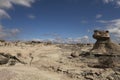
(9, 59)
(106, 51)
(104, 45)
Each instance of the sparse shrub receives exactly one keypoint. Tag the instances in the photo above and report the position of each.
(74, 54)
(48, 43)
(31, 56)
(19, 55)
(2, 40)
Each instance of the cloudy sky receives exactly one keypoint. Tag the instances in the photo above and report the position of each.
(58, 19)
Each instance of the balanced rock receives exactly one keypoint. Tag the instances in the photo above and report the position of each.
(104, 45)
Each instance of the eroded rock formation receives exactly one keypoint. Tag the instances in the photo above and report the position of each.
(9, 59)
(104, 45)
(107, 52)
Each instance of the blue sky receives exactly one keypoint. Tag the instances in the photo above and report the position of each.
(49, 19)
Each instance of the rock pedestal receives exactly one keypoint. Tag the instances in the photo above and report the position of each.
(108, 53)
(104, 45)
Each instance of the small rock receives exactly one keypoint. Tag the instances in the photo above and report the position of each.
(75, 54)
(90, 77)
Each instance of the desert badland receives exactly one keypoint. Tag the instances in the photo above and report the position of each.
(59, 39)
(34, 60)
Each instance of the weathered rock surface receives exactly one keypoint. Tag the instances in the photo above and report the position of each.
(104, 45)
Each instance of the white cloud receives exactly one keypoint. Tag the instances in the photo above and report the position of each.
(98, 16)
(102, 21)
(3, 14)
(84, 39)
(5, 4)
(114, 2)
(8, 33)
(107, 1)
(31, 16)
(114, 27)
(37, 39)
(14, 31)
(26, 3)
(9, 3)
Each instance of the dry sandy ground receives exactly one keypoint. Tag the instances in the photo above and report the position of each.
(52, 63)
(43, 55)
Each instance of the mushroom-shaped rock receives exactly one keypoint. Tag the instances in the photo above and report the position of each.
(104, 45)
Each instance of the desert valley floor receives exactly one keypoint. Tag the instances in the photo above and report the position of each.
(53, 62)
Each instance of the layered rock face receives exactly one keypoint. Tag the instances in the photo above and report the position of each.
(104, 45)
